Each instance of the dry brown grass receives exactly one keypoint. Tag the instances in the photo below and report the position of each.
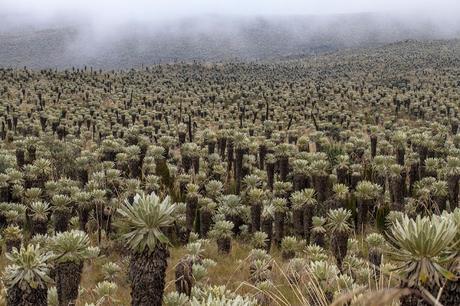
(231, 270)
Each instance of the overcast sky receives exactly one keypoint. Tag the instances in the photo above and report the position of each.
(107, 16)
(148, 9)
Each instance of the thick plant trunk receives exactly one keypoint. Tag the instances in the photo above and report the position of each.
(279, 227)
(15, 296)
(454, 128)
(441, 203)
(340, 247)
(451, 293)
(68, 276)
(405, 191)
(83, 176)
(3, 221)
(270, 175)
(400, 153)
(147, 274)
(318, 238)
(262, 154)
(184, 277)
(230, 155)
(320, 184)
(256, 210)
(239, 168)
(196, 164)
(39, 227)
(297, 220)
(190, 215)
(363, 211)
(4, 194)
(83, 217)
(452, 185)
(211, 147)
(413, 176)
(181, 136)
(343, 176)
(299, 182)
(224, 245)
(423, 152)
(307, 223)
(169, 232)
(380, 180)
(182, 234)
(430, 173)
(318, 147)
(186, 163)
(183, 189)
(12, 243)
(222, 146)
(237, 222)
(61, 220)
(267, 227)
(284, 168)
(287, 255)
(205, 224)
(354, 180)
(373, 146)
(20, 158)
(135, 168)
(103, 218)
(397, 192)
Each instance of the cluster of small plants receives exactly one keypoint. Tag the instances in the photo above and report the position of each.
(317, 181)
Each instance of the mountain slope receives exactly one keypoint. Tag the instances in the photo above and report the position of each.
(210, 38)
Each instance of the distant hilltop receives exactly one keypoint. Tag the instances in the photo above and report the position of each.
(209, 38)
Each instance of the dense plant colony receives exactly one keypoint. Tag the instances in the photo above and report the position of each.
(304, 182)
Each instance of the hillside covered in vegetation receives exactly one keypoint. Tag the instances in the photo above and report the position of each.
(311, 180)
(209, 39)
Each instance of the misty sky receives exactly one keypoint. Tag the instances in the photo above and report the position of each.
(142, 10)
(98, 31)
